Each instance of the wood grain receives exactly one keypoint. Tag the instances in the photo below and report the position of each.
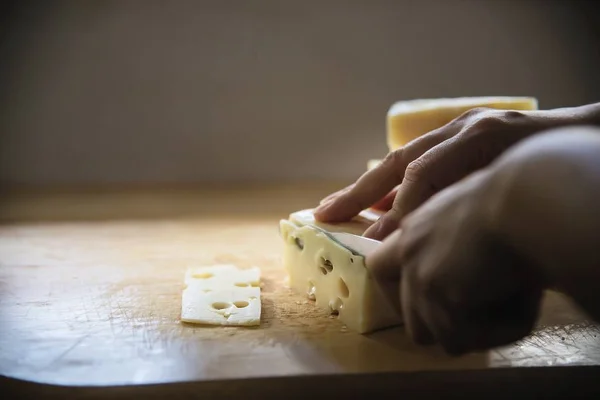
(91, 286)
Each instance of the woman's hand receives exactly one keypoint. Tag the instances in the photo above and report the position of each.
(454, 275)
(468, 268)
(436, 160)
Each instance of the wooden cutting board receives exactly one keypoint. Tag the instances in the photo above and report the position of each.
(91, 283)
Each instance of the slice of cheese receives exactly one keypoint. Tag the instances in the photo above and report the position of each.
(223, 276)
(407, 120)
(238, 307)
(332, 275)
(221, 295)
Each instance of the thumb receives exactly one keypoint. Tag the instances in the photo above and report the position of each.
(386, 203)
(437, 168)
(385, 225)
(410, 195)
(384, 262)
(384, 266)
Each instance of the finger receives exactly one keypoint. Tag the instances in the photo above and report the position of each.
(383, 227)
(385, 268)
(336, 194)
(385, 204)
(394, 280)
(433, 171)
(374, 184)
(442, 166)
(418, 185)
(444, 326)
(369, 188)
(401, 245)
(385, 262)
(389, 222)
(439, 310)
(507, 322)
(468, 325)
(489, 337)
(414, 323)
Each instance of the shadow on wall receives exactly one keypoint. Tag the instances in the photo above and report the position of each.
(113, 91)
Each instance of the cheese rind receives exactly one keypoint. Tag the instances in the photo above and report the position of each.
(333, 276)
(407, 120)
(221, 295)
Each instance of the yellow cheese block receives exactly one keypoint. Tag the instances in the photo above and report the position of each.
(407, 120)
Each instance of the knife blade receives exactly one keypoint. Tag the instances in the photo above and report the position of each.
(359, 245)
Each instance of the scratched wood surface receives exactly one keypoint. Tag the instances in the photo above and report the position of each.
(90, 287)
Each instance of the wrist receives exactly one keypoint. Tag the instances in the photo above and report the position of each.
(588, 114)
(545, 192)
(512, 223)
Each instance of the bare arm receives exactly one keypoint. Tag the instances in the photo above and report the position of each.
(588, 114)
(551, 208)
(468, 268)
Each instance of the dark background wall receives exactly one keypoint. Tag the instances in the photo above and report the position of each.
(217, 91)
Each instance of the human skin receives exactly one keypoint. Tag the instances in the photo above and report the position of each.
(468, 268)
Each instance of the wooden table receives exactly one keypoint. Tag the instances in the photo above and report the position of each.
(90, 297)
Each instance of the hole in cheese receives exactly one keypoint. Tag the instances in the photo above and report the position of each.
(202, 275)
(326, 266)
(300, 243)
(241, 304)
(241, 284)
(220, 305)
(344, 291)
(207, 290)
(336, 306)
(312, 291)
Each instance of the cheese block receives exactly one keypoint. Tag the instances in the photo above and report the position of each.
(221, 295)
(407, 120)
(332, 275)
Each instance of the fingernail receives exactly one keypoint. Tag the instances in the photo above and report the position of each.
(384, 226)
(371, 232)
